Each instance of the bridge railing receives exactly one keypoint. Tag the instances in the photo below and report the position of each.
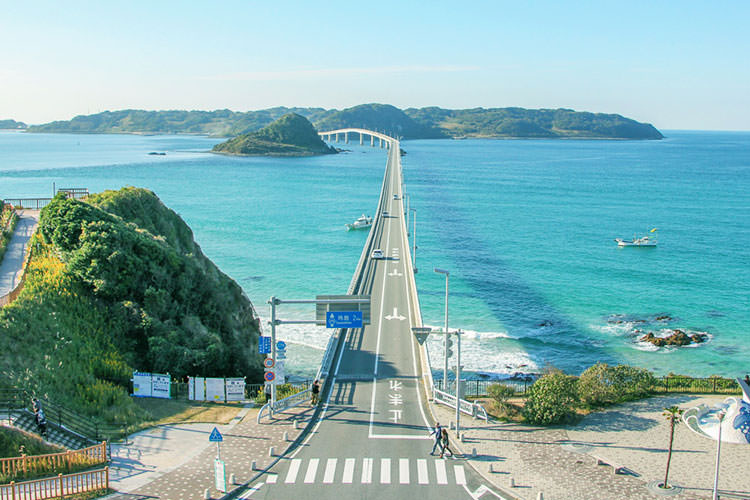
(284, 404)
(475, 410)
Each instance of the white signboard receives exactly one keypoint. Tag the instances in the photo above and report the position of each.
(199, 388)
(159, 386)
(235, 389)
(215, 389)
(280, 373)
(141, 384)
(220, 473)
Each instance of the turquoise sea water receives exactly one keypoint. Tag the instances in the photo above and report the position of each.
(525, 226)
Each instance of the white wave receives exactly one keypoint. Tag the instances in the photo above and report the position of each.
(473, 334)
(476, 356)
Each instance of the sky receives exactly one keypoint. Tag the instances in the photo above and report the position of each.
(676, 64)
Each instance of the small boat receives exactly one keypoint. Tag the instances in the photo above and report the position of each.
(643, 241)
(362, 222)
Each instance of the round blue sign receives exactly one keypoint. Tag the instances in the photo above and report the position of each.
(269, 376)
(281, 345)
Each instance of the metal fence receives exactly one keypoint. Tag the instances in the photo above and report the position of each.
(179, 390)
(28, 203)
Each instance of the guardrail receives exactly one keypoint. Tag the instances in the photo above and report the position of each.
(284, 404)
(28, 203)
(56, 487)
(93, 455)
(475, 410)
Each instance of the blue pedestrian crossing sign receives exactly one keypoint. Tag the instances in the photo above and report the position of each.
(215, 436)
(344, 319)
(264, 345)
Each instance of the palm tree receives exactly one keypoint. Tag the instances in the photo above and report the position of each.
(673, 415)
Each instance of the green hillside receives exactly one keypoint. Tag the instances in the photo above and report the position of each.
(290, 135)
(382, 118)
(116, 283)
(11, 124)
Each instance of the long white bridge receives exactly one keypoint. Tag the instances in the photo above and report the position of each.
(385, 141)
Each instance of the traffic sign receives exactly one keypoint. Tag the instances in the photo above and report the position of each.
(280, 345)
(268, 363)
(264, 345)
(280, 355)
(344, 319)
(328, 303)
(215, 436)
(220, 475)
(269, 376)
(421, 332)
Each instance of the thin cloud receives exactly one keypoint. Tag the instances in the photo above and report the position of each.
(297, 74)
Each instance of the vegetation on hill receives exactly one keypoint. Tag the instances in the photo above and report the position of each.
(11, 124)
(290, 135)
(116, 283)
(412, 123)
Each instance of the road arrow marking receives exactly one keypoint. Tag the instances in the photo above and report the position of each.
(395, 315)
(395, 273)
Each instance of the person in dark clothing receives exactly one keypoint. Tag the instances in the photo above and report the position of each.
(41, 422)
(438, 433)
(268, 393)
(315, 391)
(445, 445)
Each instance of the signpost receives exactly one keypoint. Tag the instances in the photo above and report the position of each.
(220, 471)
(264, 345)
(344, 319)
(421, 332)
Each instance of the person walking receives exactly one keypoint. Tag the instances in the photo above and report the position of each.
(315, 392)
(445, 445)
(438, 433)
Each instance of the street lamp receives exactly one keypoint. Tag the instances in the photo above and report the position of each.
(458, 382)
(721, 416)
(414, 240)
(445, 344)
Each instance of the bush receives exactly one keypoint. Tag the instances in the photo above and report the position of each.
(551, 399)
(602, 384)
(500, 394)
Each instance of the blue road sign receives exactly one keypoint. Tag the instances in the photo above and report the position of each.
(264, 345)
(215, 436)
(344, 319)
(280, 345)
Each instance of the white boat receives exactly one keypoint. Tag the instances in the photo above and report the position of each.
(362, 222)
(643, 241)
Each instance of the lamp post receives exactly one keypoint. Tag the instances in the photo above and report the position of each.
(458, 382)
(414, 240)
(721, 416)
(445, 340)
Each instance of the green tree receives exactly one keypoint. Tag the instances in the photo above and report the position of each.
(551, 399)
(672, 414)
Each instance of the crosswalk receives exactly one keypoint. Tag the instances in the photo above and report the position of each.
(371, 471)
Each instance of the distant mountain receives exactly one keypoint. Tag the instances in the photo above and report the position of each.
(290, 135)
(11, 124)
(412, 123)
(383, 118)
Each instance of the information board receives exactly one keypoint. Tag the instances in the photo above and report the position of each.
(214, 389)
(235, 389)
(160, 386)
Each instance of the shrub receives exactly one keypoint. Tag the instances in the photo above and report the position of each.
(602, 384)
(551, 399)
(500, 393)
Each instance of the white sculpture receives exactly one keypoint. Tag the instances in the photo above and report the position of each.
(735, 426)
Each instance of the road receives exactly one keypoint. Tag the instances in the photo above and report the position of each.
(372, 440)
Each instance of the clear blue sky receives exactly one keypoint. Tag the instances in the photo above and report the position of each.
(677, 64)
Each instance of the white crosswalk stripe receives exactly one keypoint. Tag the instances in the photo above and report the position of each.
(406, 474)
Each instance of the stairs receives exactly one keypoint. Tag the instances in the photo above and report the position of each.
(56, 434)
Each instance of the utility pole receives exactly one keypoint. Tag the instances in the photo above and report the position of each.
(445, 343)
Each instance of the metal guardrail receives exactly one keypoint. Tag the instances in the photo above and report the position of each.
(284, 404)
(56, 487)
(475, 410)
(28, 203)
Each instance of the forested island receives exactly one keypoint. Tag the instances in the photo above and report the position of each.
(412, 123)
(116, 283)
(11, 124)
(290, 135)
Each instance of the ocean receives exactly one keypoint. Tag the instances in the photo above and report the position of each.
(526, 228)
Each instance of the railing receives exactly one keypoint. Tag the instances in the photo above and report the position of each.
(475, 410)
(286, 403)
(93, 455)
(476, 388)
(56, 487)
(28, 203)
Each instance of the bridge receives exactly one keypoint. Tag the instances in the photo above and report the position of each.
(383, 139)
(371, 438)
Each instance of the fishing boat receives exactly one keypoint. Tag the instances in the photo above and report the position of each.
(643, 241)
(361, 223)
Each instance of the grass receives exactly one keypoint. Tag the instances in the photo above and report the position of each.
(11, 441)
(170, 411)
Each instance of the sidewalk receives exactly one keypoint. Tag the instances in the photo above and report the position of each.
(561, 462)
(176, 462)
(12, 261)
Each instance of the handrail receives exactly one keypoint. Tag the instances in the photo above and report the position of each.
(470, 408)
(295, 399)
(57, 486)
(97, 454)
(28, 203)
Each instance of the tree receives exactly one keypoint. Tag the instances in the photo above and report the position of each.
(673, 416)
(552, 399)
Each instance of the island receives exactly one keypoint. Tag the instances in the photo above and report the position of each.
(412, 123)
(11, 124)
(290, 135)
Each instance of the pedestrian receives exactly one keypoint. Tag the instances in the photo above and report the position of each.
(315, 391)
(445, 445)
(438, 433)
(36, 405)
(41, 422)
(268, 393)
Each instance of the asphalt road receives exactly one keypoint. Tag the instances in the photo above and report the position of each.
(372, 440)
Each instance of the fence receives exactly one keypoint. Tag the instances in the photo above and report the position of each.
(473, 409)
(93, 455)
(28, 203)
(665, 384)
(55, 487)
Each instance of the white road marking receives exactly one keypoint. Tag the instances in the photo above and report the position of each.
(252, 490)
(403, 470)
(291, 475)
(395, 273)
(395, 315)
(366, 470)
(385, 470)
(330, 471)
(271, 479)
(442, 476)
(397, 436)
(348, 471)
(422, 476)
(312, 469)
(460, 476)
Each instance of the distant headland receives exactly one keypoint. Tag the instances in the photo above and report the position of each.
(411, 123)
(290, 135)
